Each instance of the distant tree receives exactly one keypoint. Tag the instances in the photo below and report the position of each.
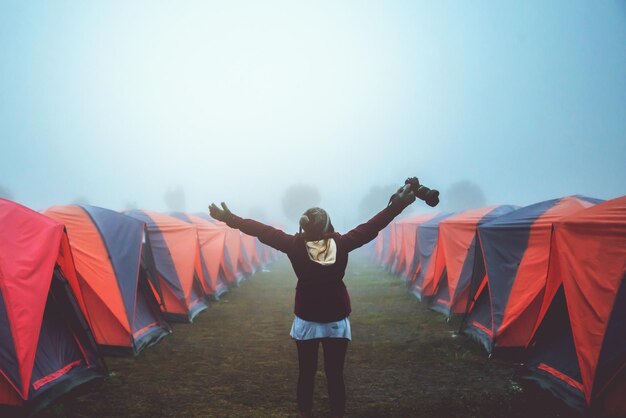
(175, 199)
(375, 199)
(80, 200)
(463, 195)
(130, 205)
(298, 198)
(6, 193)
(258, 214)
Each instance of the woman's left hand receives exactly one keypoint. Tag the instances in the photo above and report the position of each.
(220, 214)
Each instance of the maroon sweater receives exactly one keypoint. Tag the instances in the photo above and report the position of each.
(321, 295)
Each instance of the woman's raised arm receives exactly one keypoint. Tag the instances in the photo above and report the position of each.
(268, 235)
(367, 231)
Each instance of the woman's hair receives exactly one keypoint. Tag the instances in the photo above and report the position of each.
(316, 225)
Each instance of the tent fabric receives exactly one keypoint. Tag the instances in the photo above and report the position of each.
(233, 260)
(427, 238)
(211, 239)
(516, 253)
(243, 254)
(175, 250)
(264, 252)
(107, 248)
(552, 362)
(395, 246)
(249, 252)
(398, 261)
(46, 347)
(407, 229)
(457, 256)
(590, 249)
(230, 262)
(236, 249)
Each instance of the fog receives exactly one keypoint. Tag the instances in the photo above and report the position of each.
(164, 105)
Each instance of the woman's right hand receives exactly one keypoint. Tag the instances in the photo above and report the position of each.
(404, 196)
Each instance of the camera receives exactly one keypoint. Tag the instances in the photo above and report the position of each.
(430, 196)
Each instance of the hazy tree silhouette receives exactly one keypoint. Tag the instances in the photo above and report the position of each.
(130, 205)
(298, 198)
(6, 193)
(463, 195)
(258, 213)
(376, 198)
(175, 199)
(80, 200)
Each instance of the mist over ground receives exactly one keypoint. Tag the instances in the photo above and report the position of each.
(173, 105)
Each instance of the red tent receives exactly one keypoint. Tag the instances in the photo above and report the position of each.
(457, 254)
(409, 263)
(579, 350)
(178, 278)
(427, 242)
(211, 239)
(120, 306)
(249, 252)
(265, 253)
(47, 348)
(516, 252)
(232, 259)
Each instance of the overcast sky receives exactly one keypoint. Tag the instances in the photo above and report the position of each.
(116, 102)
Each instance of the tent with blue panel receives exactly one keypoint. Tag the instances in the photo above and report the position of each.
(250, 254)
(230, 264)
(265, 253)
(236, 246)
(579, 350)
(177, 277)
(212, 248)
(120, 305)
(46, 347)
(459, 257)
(516, 253)
(409, 263)
(427, 241)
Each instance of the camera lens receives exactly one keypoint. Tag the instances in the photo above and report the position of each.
(431, 197)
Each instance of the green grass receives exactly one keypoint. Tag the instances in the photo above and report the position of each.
(237, 360)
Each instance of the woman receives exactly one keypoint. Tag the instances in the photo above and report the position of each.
(319, 257)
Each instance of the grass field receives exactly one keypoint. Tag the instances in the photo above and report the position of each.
(237, 360)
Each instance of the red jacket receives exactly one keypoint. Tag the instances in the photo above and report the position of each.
(321, 295)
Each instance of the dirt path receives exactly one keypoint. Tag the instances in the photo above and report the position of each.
(237, 360)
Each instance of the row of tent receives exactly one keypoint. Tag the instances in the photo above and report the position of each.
(78, 282)
(543, 284)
